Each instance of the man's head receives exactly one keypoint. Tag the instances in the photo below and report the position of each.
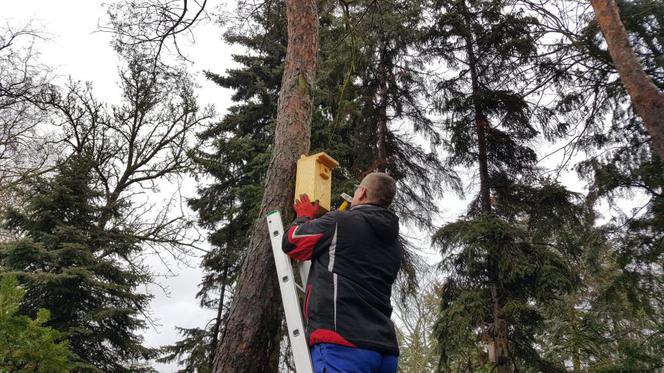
(377, 188)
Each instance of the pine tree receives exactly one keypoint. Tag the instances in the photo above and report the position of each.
(92, 298)
(647, 99)
(615, 308)
(253, 318)
(234, 153)
(623, 311)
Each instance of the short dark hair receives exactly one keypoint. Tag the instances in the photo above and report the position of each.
(381, 188)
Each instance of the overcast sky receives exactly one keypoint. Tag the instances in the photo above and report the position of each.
(75, 49)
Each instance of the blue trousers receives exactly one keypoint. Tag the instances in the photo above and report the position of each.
(331, 358)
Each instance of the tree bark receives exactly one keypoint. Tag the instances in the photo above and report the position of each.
(251, 343)
(646, 98)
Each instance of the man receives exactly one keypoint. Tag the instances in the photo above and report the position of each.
(355, 256)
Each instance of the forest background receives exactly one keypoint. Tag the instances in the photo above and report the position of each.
(572, 243)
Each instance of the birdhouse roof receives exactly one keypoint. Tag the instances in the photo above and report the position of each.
(326, 160)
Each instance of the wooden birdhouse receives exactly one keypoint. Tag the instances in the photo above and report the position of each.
(314, 177)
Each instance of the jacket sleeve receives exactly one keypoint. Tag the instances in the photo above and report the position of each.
(307, 237)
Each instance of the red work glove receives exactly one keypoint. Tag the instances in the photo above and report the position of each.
(303, 207)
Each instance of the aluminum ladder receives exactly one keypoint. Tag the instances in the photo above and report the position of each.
(289, 289)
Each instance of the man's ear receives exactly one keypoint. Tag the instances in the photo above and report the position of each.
(363, 194)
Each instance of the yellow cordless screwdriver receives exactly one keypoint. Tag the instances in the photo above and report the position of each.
(347, 201)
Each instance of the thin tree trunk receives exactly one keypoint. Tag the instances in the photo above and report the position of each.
(481, 124)
(218, 320)
(251, 343)
(381, 124)
(381, 120)
(497, 332)
(647, 99)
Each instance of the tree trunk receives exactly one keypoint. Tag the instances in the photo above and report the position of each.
(381, 143)
(481, 126)
(647, 100)
(251, 343)
(498, 349)
(217, 322)
(496, 333)
(381, 126)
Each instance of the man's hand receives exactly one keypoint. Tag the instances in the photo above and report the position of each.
(303, 207)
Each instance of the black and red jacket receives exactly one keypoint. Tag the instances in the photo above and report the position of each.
(355, 256)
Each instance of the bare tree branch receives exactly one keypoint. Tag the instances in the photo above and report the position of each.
(149, 24)
(24, 149)
(137, 146)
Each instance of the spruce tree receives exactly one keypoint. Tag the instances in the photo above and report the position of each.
(523, 251)
(372, 91)
(92, 298)
(606, 321)
(25, 344)
(502, 260)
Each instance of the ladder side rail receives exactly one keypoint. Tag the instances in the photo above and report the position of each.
(288, 288)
